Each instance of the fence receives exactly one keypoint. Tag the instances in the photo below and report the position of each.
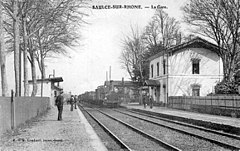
(221, 105)
(17, 110)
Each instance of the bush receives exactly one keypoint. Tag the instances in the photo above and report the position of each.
(226, 87)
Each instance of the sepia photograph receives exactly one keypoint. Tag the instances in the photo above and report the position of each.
(119, 75)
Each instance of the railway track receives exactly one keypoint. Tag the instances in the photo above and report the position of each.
(189, 131)
(237, 137)
(127, 136)
(196, 134)
(111, 142)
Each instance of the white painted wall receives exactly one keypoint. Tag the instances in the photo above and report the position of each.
(180, 71)
(154, 63)
(180, 75)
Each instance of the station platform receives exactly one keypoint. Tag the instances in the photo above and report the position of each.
(73, 133)
(214, 119)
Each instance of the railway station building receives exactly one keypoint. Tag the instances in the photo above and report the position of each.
(192, 68)
(50, 88)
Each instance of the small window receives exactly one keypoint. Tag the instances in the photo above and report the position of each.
(195, 89)
(196, 92)
(152, 70)
(164, 66)
(158, 69)
(195, 66)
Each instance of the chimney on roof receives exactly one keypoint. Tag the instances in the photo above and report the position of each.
(110, 73)
(190, 37)
(106, 76)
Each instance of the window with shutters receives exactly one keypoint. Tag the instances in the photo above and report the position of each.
(164, 66)
(152, 71)
(195, 66)
(158, 69)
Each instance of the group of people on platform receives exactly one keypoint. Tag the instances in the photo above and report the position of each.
(60, 101)
(147, 99)
(73, 102)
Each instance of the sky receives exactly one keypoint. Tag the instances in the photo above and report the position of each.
(84, 69)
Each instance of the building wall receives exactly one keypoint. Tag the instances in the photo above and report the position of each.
(46, 89)
(180, 72)
(180, 63)
(5, 114)
(52, 98)
(154, 63)
(28, 107)
(180, 78)
(159, 93)
(24, 108)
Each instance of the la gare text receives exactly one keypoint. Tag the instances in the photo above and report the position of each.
(127, 7)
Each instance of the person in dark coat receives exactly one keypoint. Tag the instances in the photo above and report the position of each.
(71, 102)
(144, 100)
(151, 101)
(75, 101)
(59, 104)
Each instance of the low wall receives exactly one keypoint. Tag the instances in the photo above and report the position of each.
(220, 105)
(12, 114)
(5, 114)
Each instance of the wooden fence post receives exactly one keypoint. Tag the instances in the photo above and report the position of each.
(205, 101)
(233, 100)
(211, 102)
(12, 110)
(225, 103)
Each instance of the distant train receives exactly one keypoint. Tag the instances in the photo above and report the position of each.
(113, 99)
(102, 96)
(112, 93)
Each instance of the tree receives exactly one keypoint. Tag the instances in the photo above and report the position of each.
(160, 33)
(25, 54)
(2, 55)
(51, 27)
(162, 30)
(40, 29)
(60, 30)
(12, 28)
(16, 34)
(132, 55)
(220, 21)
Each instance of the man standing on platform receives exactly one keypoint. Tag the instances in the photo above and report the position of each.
(151, 101)
(144, 100)
(71, 102)
(75, 101)
(59, 104)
